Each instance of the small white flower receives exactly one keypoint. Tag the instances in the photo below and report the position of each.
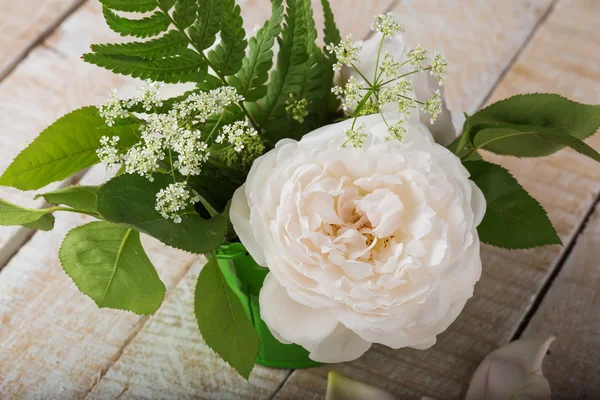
(355, 136)
(434, 106)
(439, 67)
(346, 52)
(387, 24)
(148, 95)
(418, 57)
(172, 200)
(397, 131)
(113, 109)
(108, 152)
(390, 67)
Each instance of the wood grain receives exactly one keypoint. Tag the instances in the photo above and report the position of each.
(24, 23)
(558, 59)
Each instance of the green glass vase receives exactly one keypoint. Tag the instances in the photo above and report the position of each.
(246, 278)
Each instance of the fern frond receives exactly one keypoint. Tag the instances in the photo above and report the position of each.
(130, 5)
(189, 66)
(250, 80)
(291, 63)
(208, 23)
(172, 43)
(226, 58)
(140, 28)
(331, 31)
(185, 12)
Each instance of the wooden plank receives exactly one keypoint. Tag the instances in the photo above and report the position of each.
(571, 311)
(565, 183)
(167, 358)
(23, 24)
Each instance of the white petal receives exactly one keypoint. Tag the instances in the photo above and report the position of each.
(341, 346)
(341, 388)
(290, 320)
(239, 214)
(513, 371)
(478, 203)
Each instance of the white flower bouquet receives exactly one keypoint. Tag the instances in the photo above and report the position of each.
(338, 200)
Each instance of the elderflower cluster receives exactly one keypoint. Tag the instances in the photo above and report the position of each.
(356, 136)
(148, 95)
(107, 152)
(173, 200)
(346, 53)
(204, 104)
(387, 80)
(387, 25)
(113, 109)
(296, 108)
(244, 144)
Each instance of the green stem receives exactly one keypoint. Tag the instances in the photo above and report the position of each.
(361, 75)
(482, 145)
(73, 210)
(378, 56)
(215, 127)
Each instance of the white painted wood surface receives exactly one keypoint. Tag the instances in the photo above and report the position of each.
(54, 342)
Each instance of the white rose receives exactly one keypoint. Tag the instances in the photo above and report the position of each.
(448, 124)
(377, 245)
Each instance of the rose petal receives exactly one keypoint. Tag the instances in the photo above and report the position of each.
(513, 371)
(341, 346)
(291, 321)
(239, 213)
(478, 203)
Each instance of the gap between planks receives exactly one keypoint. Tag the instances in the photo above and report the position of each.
(24, 235)
(556, 269)
(38, 42)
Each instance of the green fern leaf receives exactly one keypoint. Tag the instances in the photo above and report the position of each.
(141, 28)
(288, 75)
(332, 33)
(130, 5)
(166, 4)
(226, 58)
(189, 66)
(172, 43)
(204, 30)
(250, 81)
(185, 13)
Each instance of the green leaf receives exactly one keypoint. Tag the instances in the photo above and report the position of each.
(189, 66)
(332, 33)
(65, 147)
(12, 214)
(513, 219)
(250, 80)
(208, 23)
(288, 74)
(172, 43)
(496, 136)
(107, 263)
(185, 13)
(82, 198)
(223, 321)
(226, 58)
(130, 5)
(141, 28)
(131, 199)
(544, 113)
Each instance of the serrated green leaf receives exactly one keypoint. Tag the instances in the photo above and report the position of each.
(166, 4)
(65, 147)
(546, 112)
(226, 58)
(130, 200)
(141, 28)
(250, 80)
(513, 219)
(288, 74)
(12, 214)
(185, 13)
(208, 23)
(82, 198)
(130, 5)
(107, 263)
(331, 31)
(170, 44)
(496, 136)
(189, 66)
(223, 321)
